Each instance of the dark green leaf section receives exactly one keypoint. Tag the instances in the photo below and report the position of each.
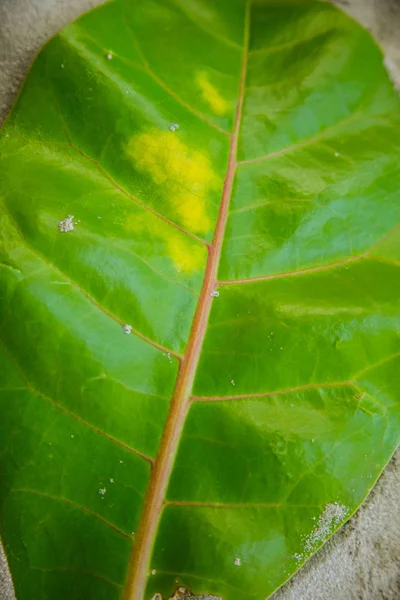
(296, 394)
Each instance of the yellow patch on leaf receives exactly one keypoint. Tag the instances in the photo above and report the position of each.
(186, 254)
(211, 95)
(187, 257)
(186, 175)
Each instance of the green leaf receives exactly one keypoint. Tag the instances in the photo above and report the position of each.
(200, 360)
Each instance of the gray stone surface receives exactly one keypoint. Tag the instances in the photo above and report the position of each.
(362, 561)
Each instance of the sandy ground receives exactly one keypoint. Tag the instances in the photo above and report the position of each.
(362, 561)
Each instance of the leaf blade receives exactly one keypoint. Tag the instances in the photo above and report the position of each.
(328, 305)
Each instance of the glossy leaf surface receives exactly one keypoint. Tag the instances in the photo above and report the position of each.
(232, 172)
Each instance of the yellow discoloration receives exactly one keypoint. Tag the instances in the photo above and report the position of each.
(187, 257)
(186, 254)
(185, 176)
(211, 95)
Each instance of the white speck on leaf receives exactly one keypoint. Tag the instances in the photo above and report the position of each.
(67, 224)
(298, 557)
(337, 154)
(153, 572)
(215, 294)
(168, 355)
(121, 462)
(174, 127)
(102, 491)
(72, 435)
(237, 562)
(157, 596)
(111, 480)
(127, 329)
(233, 382)
(332, 516)
(109, 56)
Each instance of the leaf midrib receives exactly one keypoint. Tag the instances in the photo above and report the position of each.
(180, 402)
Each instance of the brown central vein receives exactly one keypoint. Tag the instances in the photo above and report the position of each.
(154, 501)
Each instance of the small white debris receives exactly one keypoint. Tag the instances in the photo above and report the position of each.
(109, 56)
(127, 329)
(168, 355)
(102, 491)
(153, 572)
(157, 596)
(237, 562)
(332, 516)
(121, 462)
(298, 557)
(232, 382)
(183, 592)
(337, 154)
(215, 294)
(174, 127)
(111, 480)
(67, 224)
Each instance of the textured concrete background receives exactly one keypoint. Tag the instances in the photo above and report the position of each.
(362, 561)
